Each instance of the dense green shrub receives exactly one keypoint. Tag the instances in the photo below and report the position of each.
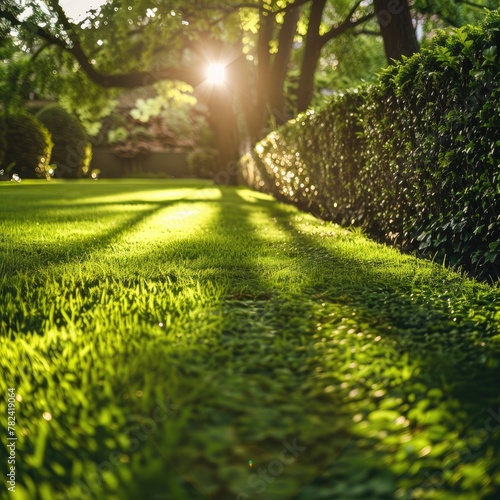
(3, 140)
(72, 151)
(415, 158)
(4, 169)
(203, 163)
(29, 146)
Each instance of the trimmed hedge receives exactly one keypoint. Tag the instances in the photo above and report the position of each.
(414, 159)
(72, 151)
(29, 146)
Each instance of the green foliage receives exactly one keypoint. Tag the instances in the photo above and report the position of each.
(67, 84)
(29, 146)
(169, 112)
(130, 140)
(122, 37)
(54, 76)
(15, 84)
(413, 158)
(165, 115)
(347, 62)
(162, 334)
(3, 140)
(72, 150)
(118, 135)
(170, 97)
(203, 162)
(441, 13)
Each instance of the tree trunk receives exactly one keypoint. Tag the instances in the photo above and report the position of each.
(312, 52)
(264, 64)
(397, 30)
(306, 80)
(279, 70)
(246, 98)
(224, 125)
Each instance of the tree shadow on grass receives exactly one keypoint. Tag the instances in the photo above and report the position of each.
(417, 316)
(22, 268)
(339, 387)
(449, 391)
(251, 368)
(313, 362)
(36, 255)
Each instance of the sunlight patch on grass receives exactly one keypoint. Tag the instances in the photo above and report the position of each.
(178, 331)
(253, 196)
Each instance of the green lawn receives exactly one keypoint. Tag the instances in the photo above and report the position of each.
(176, 340)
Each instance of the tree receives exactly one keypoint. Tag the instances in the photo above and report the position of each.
(316, 40)
(397, 20)
(265, 45)
(396, 27)
(454, 13)
(103, 43)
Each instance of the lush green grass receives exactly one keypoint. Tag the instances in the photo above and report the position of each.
(161, 335)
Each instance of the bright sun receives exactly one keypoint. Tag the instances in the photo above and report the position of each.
(216, 74)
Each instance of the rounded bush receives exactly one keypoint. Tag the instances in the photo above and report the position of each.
(29, 146)
(72, 151)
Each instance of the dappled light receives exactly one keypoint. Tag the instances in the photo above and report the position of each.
(250, 250)
(246, 338)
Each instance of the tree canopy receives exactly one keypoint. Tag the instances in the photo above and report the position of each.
(275, 52)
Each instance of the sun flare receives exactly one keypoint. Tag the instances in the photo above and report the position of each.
(216, 74)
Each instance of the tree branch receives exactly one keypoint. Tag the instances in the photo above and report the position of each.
(353, 10)
(346, 25)
(39, 50)
(124, 80)
(33, 28)
(368, 32)
(62, 18)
